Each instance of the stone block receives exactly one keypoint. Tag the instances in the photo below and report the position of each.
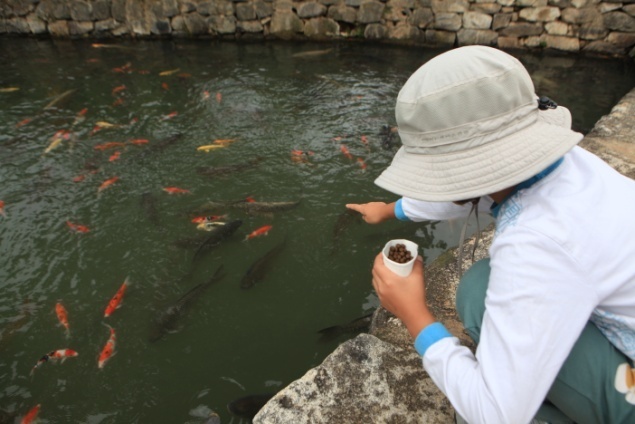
(609, 7)
(450, 6)
(533, 42)
(375, 32)
(342, 13)
(406, 33)
(448, 22)
(622, 39)
(100, 10)
(223, 25)
(488, 8)
(509, 43)
(557, 28)
(321, 28)
(584, 3)
(353, 3)
(59, 28)
(17, 25)
(531, 3)
(579, 16)
(263, 9)
(80, 10)
(476, 20)
(505, 2)
(206, 7)
(421, 17)
(501, 20)
(161, 26)
(485, 37)
(283, 6)
(330, 2)
(602, 47)
(195, 23)
(245, 12)
(118, 10)
(251, 27)
(630, 9)
(562, 4)
(105, 25)
(540, 14)
(569, 44)
(522, 29)
(370, 12)
(397, 13)
(594, 30)
(311, 10)
(619, 21)
(36, 25)
(440, 38)
(79, 28)
(285, 24)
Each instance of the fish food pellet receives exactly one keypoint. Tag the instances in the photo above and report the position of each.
(398, 253)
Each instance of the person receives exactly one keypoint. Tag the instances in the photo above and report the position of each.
(552, 308)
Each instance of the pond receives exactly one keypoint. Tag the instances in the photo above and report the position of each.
(102, 173)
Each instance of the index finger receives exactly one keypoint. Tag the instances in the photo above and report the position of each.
(354, 206)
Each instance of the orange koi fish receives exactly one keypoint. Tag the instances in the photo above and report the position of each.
(134, 121)
(95, 129)
(107, 184)
(249, 199)
(2, 212)
(175, 190)
(118, 89)
(125, 69)
(344, 150)
(224, 141)
(205, 95)
(338, 138)
(78, 228)
(23, 122)
(115, 302)
(92, 60)
(31, 415)
(62, 316)
(118, 102)
(364, 139)
(362, 164)
(81, 115)
(109, 349)
(60, 354)
(170, 72)
(114, 156)
(219, 97)
(79, 178)
(139, 141)
(165, 86)
(184, 75)
(209, 218)
(169, 116)
(262, 231)
(109, 145)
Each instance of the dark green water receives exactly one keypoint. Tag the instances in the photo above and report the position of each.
(232, 342)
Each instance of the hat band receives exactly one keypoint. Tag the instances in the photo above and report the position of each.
(470, 135)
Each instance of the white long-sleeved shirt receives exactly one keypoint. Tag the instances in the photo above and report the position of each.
(563, 254)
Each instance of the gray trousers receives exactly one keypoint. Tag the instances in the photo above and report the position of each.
(584, 390)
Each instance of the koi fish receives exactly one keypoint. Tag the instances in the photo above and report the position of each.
(115, 302)
(81, 115)
(165, 86)
(95, 129)
(79, 178)
(219, 97)
(209, 218)
(210, 226)
(205, 95)
(262, 231)
(104, 124)
(31, 415)
(209, 147)
(169, 116)
(118, 102)
(175, 190)
(2, 212)
(125, 69)
(60, 354)
(57, 139)
(118, 89)
(107, 184)
(109, 349)
(23, 122)
(143, 71)
(362, 164)
(78, 228)
(224, 141)
(364, 139)
(250, 199)
(62, 316)
(114, 156)
(9, 89)
(139, 141)
(109, 145)
(170, 72)
(134, 121)
(184, 75)
(344, 150)
(338, 138)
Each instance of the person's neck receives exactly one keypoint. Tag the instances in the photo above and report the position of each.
(499, 196)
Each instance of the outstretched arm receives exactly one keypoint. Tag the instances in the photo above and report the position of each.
(374, 212)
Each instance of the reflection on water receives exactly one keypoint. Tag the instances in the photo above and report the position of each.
(102, 175)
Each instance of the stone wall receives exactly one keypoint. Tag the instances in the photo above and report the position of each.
(602, 27)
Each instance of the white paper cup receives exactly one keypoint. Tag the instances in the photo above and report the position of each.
(400, 269)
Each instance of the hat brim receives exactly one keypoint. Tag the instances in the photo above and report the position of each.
(485, 169)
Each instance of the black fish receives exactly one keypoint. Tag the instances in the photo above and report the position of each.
(344, 220)
(218, 234)
(258, 269)
(387, 136)
(190, 242)
(149, 205)
(217, 171)
(167, 319)
(248, 406)
(360, 324)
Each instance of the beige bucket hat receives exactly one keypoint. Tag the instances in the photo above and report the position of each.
(470, 125)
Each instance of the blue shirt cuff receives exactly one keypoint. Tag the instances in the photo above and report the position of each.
(399, 213)
(429, 336)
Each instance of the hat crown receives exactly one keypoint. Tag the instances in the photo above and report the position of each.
(464, 98)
